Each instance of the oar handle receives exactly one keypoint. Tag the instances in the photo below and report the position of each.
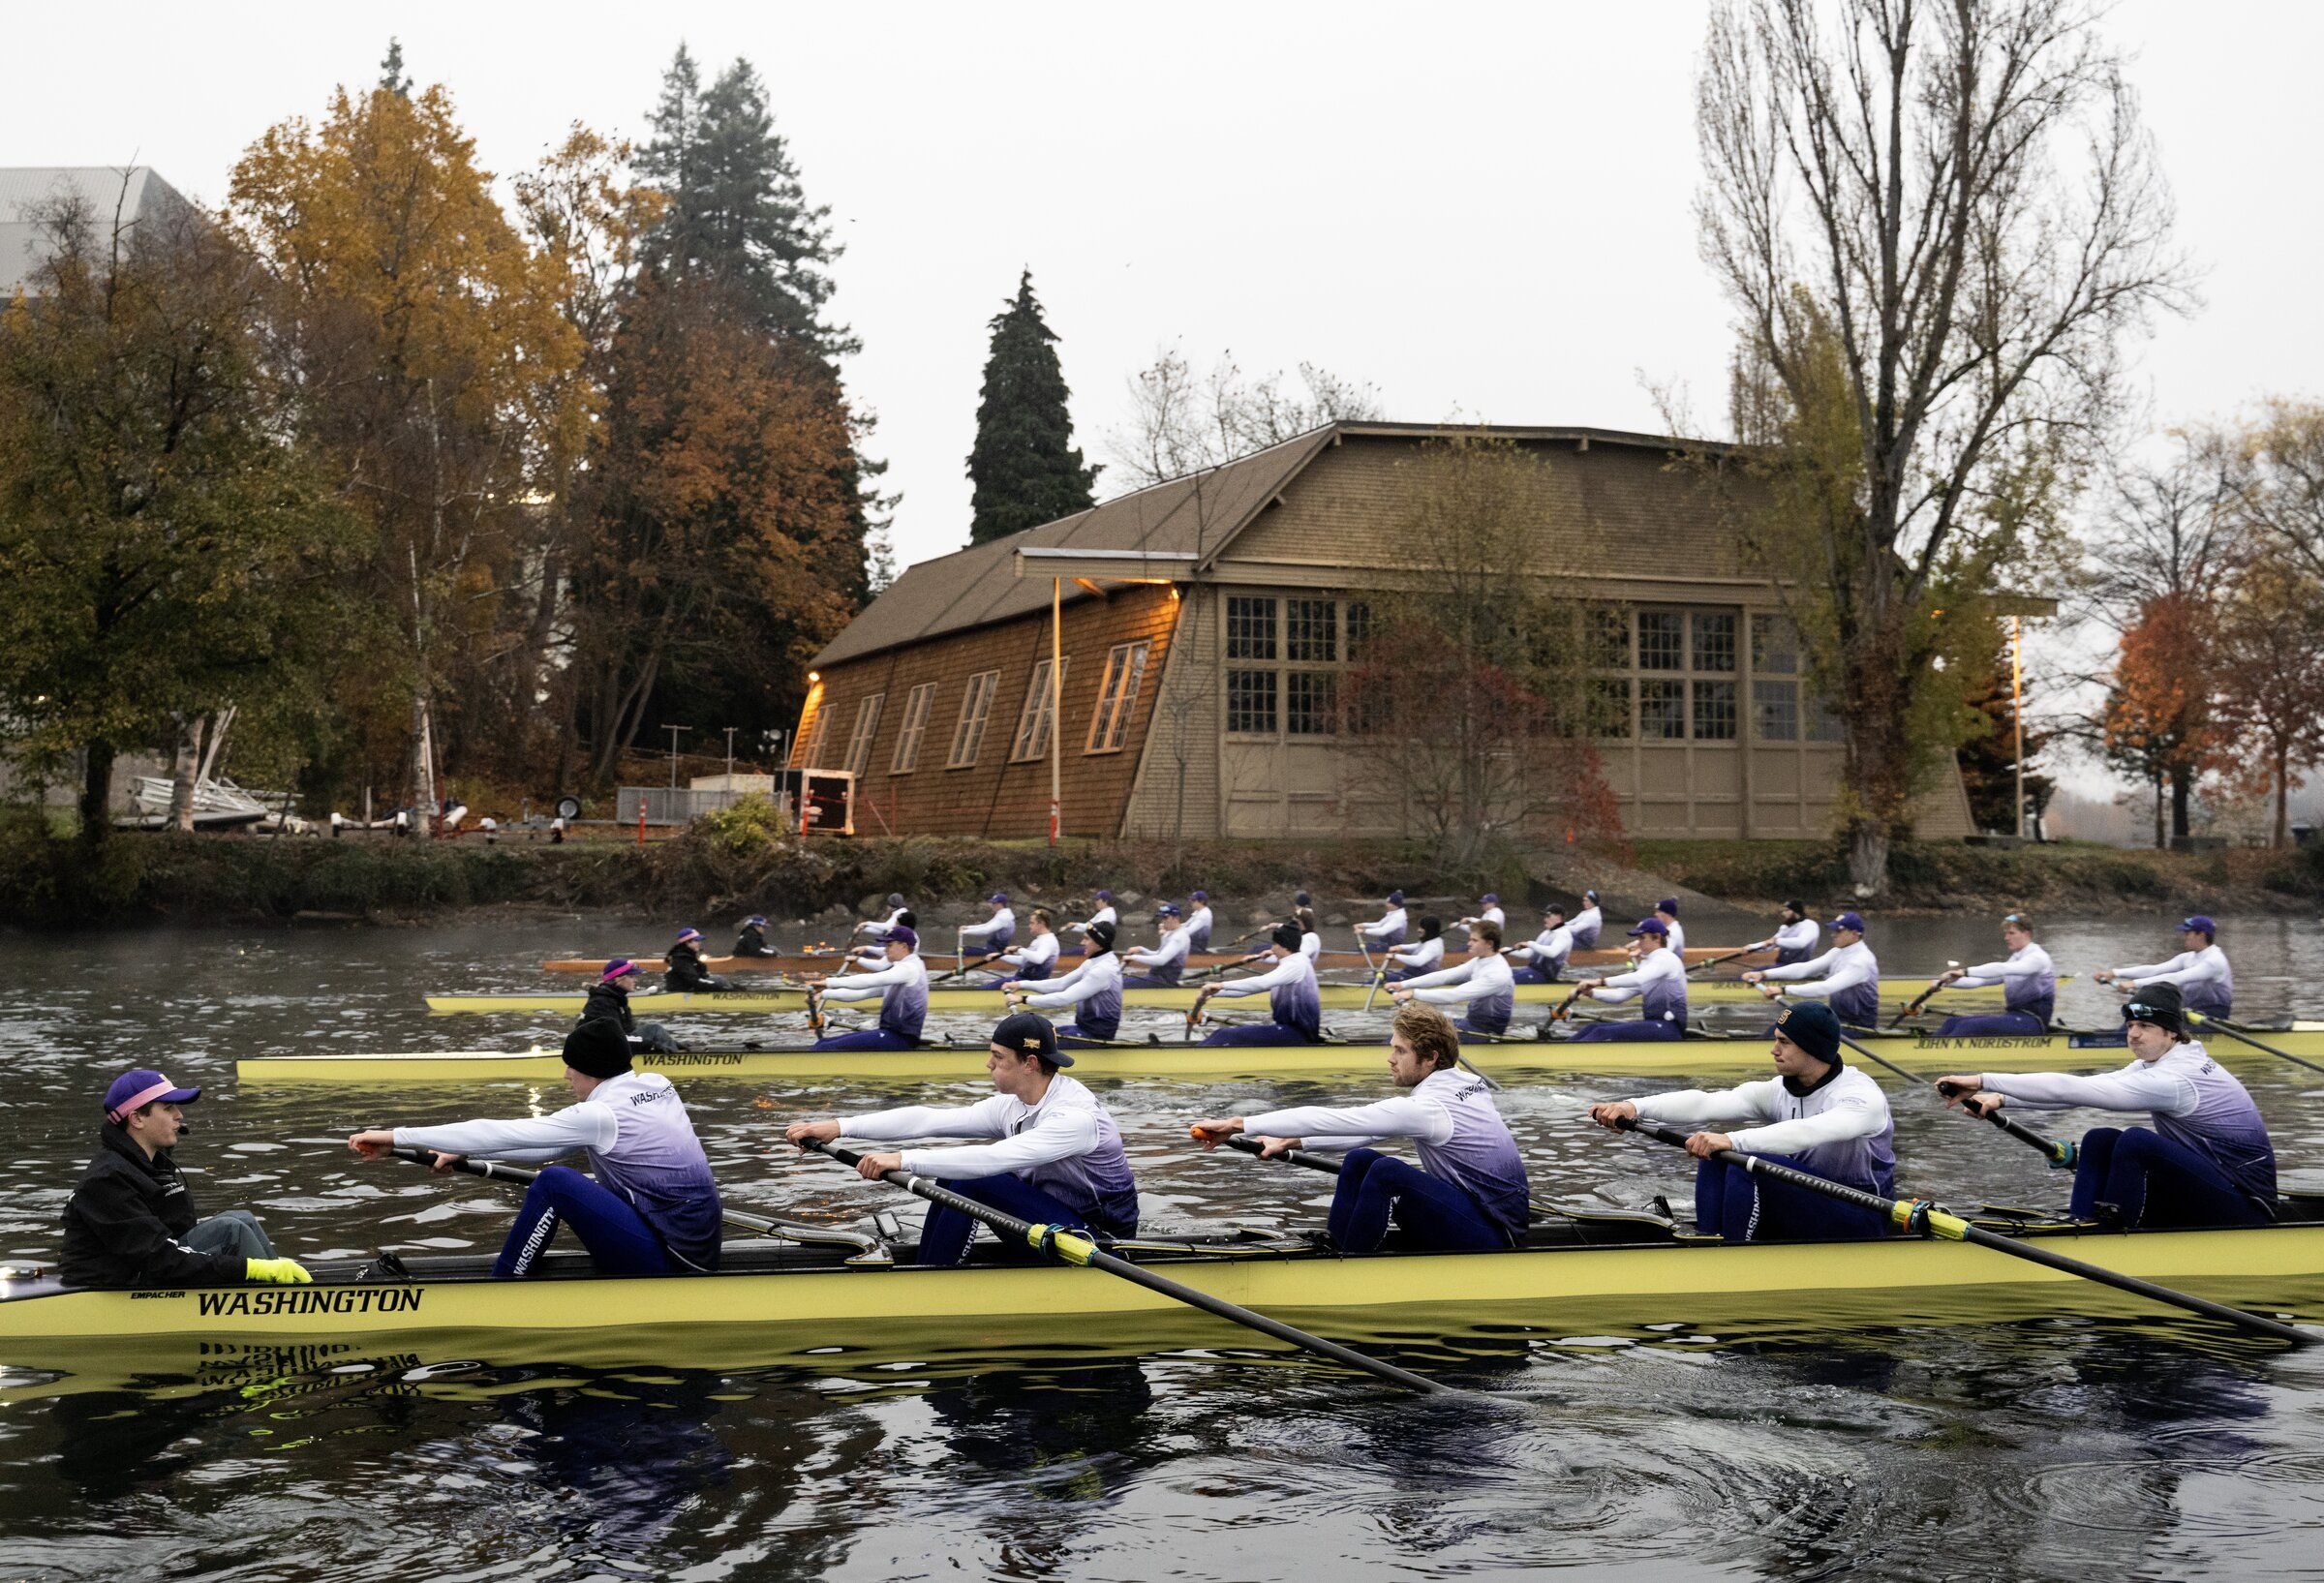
(496, 1170)
(2061, 1155)
(1327, 1164)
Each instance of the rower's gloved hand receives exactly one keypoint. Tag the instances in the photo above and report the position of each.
(277, 1272)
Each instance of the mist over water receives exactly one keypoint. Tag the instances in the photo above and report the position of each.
(1636, 1445)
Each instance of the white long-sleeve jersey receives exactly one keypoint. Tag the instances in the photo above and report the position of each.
(1172, 948)
(1392, 923)
(1659, 979)
(1420, 955)
(2205, 983)
(1551, 945)
(1003, 921)
(1038, 952)
(1800, 936)
(1066, 1139)
(1472, 978)
(1841, 1130)
(880, 929)
(1091, 979)
(1103, 915)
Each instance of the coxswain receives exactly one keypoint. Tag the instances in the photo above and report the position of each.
(1056, 1160)
(1666, 909)
(1295, 1003)
(1480, 981)
(1817, 1114)
(1037, 958)
(1161, 966)
(1093, 991)
(683, 969)
(1469, 1190)
(131, 1221)
(1103, 912)
(1848, 975)
(1385, 932)
(1199, 924)
(651, 1207)
(609, 998)
(2200, 973)
(1488, 912)
(1423, 956)
(901, 988)
(1545, 953)
(1657, 981)
(2028, 986)
(1587, 923)
(2204, 1159)
(1794, 938)
(996, 935)
(878, 928)
(752, 941)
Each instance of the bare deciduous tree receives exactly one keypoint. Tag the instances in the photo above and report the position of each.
(1181, 421)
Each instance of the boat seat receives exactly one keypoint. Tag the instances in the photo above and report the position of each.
(1593, 1224)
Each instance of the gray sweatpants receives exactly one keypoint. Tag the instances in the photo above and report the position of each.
(235, 1232)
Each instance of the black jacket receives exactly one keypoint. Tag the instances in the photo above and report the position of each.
(123, 1222)
(752, 942)
(684, 970)
(609, 1000)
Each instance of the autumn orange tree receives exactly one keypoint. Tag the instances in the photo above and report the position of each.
(2160, 723)
(2270, 659)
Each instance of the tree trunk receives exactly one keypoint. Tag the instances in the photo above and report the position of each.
(2160, 840)
(188, 775)
(2183, 796)
(96, 794)
(2281, 836)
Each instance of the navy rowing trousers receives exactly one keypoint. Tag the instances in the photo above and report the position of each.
(944, 1235)
(1375, 1189)
(1732, 1202)
(866, 1039)
(1626, 1032)
(2152, 1181)
(617, 1236)
(1262, 1033)
(1990, 1023)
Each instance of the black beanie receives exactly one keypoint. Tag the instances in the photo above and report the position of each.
(2159, 1004)
(1431, 928)
(1101, 935)
(597, 1049)
(1288, 936)
(1811, 1025)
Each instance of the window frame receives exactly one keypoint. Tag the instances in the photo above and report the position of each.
(976, 713)
(1117, 696)
(1037, 715)
(1273, 693)
(865, 732)
(917, 705)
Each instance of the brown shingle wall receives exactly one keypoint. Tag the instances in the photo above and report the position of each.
(995, 797)
(1176, 795)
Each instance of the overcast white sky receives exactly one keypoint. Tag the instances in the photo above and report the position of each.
(1482, 210)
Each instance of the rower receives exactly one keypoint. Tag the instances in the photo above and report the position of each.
(1387, 930)
(1817, 1114)
(1104, 914)
(1587, 923)
(1311, 938)
(1198, 924)
(1423, 956)
(1666, 909)
(1167, 960)
(871, 959)
(609, 998)
(2205, 1160)
(1469, 1191)
(1547, 953)
(1093, 988)
(1037, 960)
(878, 928)
(651, 1208)
(1482, 982)
(2200, 973)
(132, 1222)
(1293, 1000)
(2028, 986)
(1056, 1160)
(683, 970)
(1657, 982)
(901, 988)
(1794, 938)
(1848, 975)
(752, 940)
(1488, 912)
(996, 933)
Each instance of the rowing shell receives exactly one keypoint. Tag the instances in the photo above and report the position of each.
(1349, 961)
(941, 998)
(1172, 1059)
(1594, 1266)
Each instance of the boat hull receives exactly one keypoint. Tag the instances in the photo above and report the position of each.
(1172, 1059)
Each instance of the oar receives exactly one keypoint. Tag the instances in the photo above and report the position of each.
(1378, 979)
(2060, 1154)
(1921, 999)
(869, 1250)
(1077, 1248)
(2241, 1037)
(1713, 962)
(965, 966)
(1330, 1165)
(1926, 1219)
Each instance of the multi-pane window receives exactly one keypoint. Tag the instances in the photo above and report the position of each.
(1250, 628)
(915, 724)
(808, 754)
(1610, 639)
(1251, 701)
(1662, 639)
(976, 706)
(1310, 703)
(1714, 711)
(1311, 630)
(1775, 711)
(866, 727)
(1117, 697)
(1034, 719)
(1683, 666)
(1782, 708)
(1714, 642)
(1661, 709)
(1360, 628)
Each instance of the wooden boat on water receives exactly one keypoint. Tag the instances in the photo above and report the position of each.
(1168, 1059)
(1580, 1266)
(829, 962)
(959, 997)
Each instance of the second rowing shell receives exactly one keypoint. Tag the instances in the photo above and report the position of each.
(945, 998)
(1171, 1059)
(1349, 961)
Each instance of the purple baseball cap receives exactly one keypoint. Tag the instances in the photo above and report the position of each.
(618, 967)
(1000, 899)
(1849, 921)
(904, 935)
(1199, 896)
(1488, 899)
(758, 918)
(1395, 899)
(1654, 926)
(686, 935)
(2198, 921)
(1166, 909)
(1105, 895)
(135, 1091)
(1669, 904)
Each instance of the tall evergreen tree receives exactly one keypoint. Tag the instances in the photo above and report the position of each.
(1025, 465)
(392, 76)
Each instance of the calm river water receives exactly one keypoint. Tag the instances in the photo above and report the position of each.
(1677, 1445)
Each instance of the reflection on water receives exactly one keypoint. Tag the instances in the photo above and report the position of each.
(1648, 1444)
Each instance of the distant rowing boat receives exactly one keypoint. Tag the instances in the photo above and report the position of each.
(1168, 1058)
(1331, 960)
(948, 998)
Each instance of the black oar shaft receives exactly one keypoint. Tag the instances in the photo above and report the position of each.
(2061, 1155)
(2241, 1037)
(1931, 1220)
(1076, 1248)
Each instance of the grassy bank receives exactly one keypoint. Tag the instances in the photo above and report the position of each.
(2065, 877)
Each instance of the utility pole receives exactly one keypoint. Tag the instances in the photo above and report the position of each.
(730, 758)
(2017, 712)
(674, 730)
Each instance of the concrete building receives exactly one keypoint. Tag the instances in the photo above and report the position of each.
(29, 193)
(1205, 626)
